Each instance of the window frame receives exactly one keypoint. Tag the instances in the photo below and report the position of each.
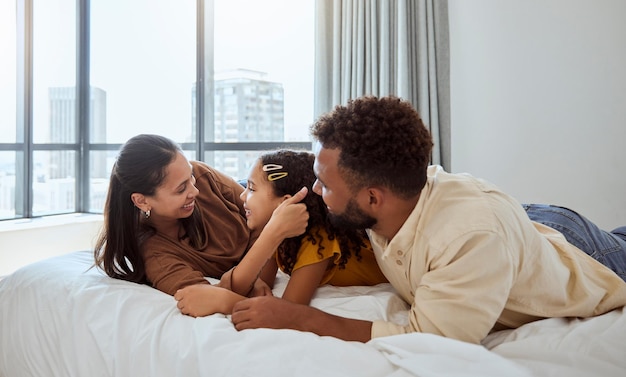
(24, 147)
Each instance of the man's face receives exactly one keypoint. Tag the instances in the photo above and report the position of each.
(343, 207)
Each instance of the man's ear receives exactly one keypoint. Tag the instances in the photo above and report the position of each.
(139, 200)
(375, 197)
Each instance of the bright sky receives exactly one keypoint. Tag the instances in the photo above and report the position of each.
(7, 72)
(143, 56)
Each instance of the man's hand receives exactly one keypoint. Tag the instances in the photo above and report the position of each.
(268, 312)
(275, 313)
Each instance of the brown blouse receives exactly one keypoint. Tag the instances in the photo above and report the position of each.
(172, 264)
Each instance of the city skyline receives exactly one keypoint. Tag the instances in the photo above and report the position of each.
(247, 108)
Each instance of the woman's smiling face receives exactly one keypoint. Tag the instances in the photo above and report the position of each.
(175, 198)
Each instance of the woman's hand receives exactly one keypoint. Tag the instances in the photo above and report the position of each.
(200, 300)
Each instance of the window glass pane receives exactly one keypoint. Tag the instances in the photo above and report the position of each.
(143, 59)
(101, 163)
(263, 78)
(54, 71)
(191, 155)
(7, 72)
(236, 164)
(54, 182)
(264, 56)
(8, 201)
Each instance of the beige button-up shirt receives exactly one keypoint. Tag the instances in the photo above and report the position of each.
(469, 260)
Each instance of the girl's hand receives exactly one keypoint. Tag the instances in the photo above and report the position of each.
(200, 300)
(260, 288)
(291, 217)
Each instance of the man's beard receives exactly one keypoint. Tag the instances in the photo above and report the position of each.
(352, 218)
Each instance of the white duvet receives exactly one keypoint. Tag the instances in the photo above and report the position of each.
(60, 318)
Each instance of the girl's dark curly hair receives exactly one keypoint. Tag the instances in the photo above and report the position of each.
(299, 168)
(383, 141)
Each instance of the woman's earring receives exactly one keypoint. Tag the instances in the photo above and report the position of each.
(146, 214)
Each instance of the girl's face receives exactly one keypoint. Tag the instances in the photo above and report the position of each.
(258, 198)
(175, 198)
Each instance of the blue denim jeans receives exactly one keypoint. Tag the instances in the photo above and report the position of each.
(608, 248)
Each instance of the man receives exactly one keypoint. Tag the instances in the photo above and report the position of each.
(464, 255)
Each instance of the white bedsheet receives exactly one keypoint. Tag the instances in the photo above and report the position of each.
(60, 318)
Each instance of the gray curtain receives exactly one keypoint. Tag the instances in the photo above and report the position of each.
(386, 47)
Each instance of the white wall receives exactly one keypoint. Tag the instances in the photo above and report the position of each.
(29, 240)
(538, 99)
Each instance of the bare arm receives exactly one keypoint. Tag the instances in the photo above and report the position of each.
(200, 300)
(268, 275)
(276, 313)
(288, 220)
(304, 282)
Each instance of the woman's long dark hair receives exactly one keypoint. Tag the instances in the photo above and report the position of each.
(139, 168)
(299, 168)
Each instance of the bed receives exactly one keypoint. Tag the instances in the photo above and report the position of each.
(59, 317)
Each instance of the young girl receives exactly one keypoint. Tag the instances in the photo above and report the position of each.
(322, 255)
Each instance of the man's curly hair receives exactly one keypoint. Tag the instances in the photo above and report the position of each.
(299, 168)
(382, 141)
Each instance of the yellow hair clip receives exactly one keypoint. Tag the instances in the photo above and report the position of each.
(274, 176)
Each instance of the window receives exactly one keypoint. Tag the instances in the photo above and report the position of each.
(54, 107)
(78, 78)
(11, 141)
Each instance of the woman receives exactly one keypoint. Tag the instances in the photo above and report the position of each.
(170, 223)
